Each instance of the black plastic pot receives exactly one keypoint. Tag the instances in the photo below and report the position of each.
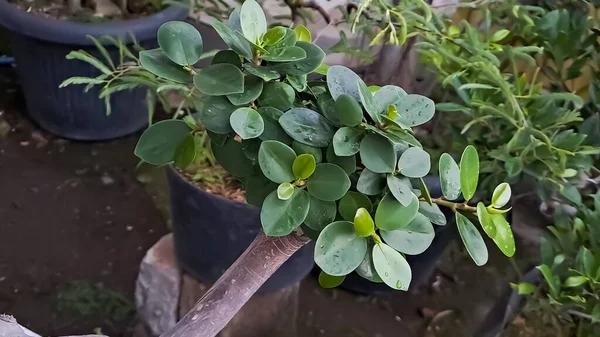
(211, 232)
(422, 265)
(40, 44)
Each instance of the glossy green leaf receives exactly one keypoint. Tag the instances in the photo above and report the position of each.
(220, 79)
(368, 102)
(414, 110)
(298, 82)
(348, 111)
(449, 177)
(500, 35)
(371, 183)
(472, 240)
(346, 141)
(433, 213)
(303, 148)
(412, 239)
(352, 202)
(307, 126)
(247, 123)
(363, 222)
(377, 154)
(285, 54)
(253, 21)
(391, 215)
(526, 288)
(551, 279)
(289, 39)
(235, 21)
(329, 182)
(253, 87)
(501, 195)
(156, 62)
(414, 163)
(392, 267)
(227, 56)
(328, 281)
(504, 238)
(215, 113)
(485, 220)
(366, 269)
(186, 152)
(231, 156)
(285, 191)
(304, 166)
(320, 214)
(348, 164)
(159, 143)
(265, 73)
(341, 80)
(387, 95)
(401, 189)
(274, 35)
(339, 250)
(575, 281)
(277, 95)
(258, 187)
(302, 34)
(181, 42)
(281, 217)
(469, 172)
(272, 129)
(234, 39)
(314, 57)
(276, 160)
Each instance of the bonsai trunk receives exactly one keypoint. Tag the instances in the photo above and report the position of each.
(232, 290)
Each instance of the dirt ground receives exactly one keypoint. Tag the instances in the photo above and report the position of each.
(74, 211)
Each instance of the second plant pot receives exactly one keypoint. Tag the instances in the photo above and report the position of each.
(211, 232)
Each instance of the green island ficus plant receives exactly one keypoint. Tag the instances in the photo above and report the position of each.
(335, 160)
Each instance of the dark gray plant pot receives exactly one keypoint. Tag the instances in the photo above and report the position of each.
(211, 232)
(40, 44)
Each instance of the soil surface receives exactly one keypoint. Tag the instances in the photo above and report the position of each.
(88, 13)
(76, 220)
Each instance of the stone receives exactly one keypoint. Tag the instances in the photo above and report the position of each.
(158, 287)
(272, 314)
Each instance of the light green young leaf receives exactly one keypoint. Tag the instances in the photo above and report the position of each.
(363, 222)
(486, 220)
(302, 34)
(501, 195)
(274, 35)
(500, 35)
(504, 238)
(328, 281)
(351, 202)
(304, 166)
(285, 191)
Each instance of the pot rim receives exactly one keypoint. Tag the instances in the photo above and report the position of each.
(39, 27)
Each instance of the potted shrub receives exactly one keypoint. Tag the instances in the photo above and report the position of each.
(40, 45)
(334, 161)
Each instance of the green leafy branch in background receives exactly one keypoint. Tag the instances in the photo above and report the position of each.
(334, 160)
(571, 270)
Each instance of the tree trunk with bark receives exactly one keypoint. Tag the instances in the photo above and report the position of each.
(232, 290)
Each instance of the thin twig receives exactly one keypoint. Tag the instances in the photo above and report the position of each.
(294, 6)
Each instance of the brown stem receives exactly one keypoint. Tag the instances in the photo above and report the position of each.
(455, 206)
(232, 290)
(294, 5)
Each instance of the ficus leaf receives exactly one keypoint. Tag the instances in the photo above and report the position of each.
(392, 215)
(181, 42)
(469, 172)
(342, 80)
(414, 163)
(281, 217)
(363, 222)
(232, 158)
(220, 79)
(486, 220)
(501, 195)
(348, 111)
(401, 189)
(277, 95)
(328, 281)
(433, 213)
(276, 160)
(377, 154)
(392, 267)
(304, 166)
(371, 183)
(351, 202)
(247, 123)
(253, 21)
(503, 238)
(449, 177)
(156, 62)
(412, 239)
(186, 152)
(339, 249)
(414, 110)
(159, 143)
(346, 141)
(472, 239)
(307, 126)
(329, 182)
(320, 214)
(285, 191)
